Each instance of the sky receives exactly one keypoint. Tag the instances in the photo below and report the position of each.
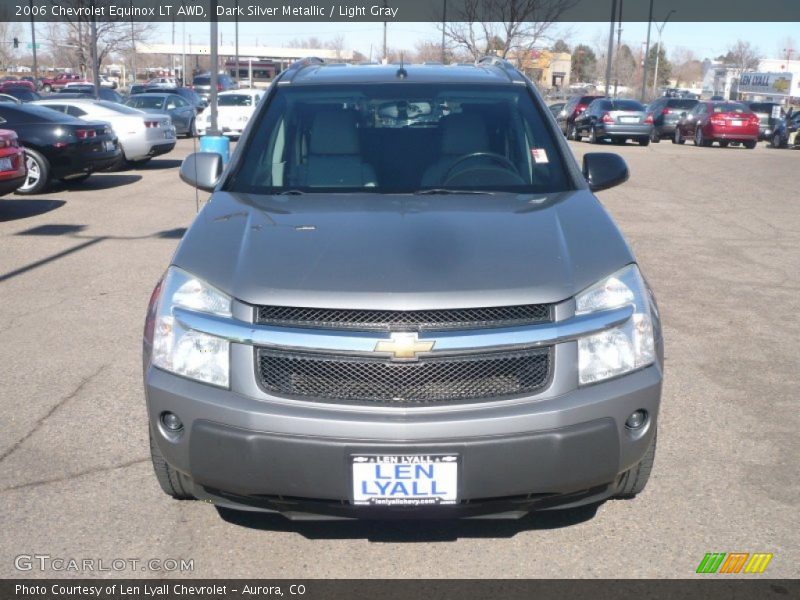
(706, 40)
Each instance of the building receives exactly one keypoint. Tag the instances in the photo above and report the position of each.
(548, 70)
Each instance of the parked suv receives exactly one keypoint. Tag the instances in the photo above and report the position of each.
(202, 84)
(665, 113)
(572, 110)
(402, 298)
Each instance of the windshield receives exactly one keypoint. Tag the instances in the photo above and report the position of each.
(729, 107)
(234, 100)
(401, 138)
(202, 80)
(146, 102)
(629, 105)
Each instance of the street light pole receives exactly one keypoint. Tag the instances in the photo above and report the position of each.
(646, 53)
(236, 41)
(444, 23)
(33, 42)
(213, 131)
(133, 46)
(658, 51)
(610, 55)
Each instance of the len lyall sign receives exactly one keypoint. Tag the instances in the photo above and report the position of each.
(773, 84)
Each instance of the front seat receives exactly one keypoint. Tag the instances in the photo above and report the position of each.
(334, 153)
(462, 134)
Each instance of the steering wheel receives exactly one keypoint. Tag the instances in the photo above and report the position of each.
(499, 158)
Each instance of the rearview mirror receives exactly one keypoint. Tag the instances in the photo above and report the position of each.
(604, 170)
(202, 170)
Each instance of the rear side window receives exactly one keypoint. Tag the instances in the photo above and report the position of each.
(681, 103)
(146, 102)
(401, 138)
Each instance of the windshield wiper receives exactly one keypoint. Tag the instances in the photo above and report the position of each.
(445, 191)
(292, 193)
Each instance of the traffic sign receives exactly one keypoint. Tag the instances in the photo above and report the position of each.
(30, 46)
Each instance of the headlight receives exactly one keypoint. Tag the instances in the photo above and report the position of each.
(624, 348)
(190, 353)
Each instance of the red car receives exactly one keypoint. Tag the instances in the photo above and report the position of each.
(722, 122)
(19, 84)
(12, 162)
(59, 81)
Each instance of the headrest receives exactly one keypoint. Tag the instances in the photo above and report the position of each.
(334, 132)
(464, 133)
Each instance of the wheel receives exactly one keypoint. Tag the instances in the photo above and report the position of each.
(750, 144)
(655, 137)
(777, 142)
(634, 480)
(571, 131)
(699, 140)
(47, 88)
(723, 143)
(174, 484)
(593, 136)
(644, 141)
(38, 173)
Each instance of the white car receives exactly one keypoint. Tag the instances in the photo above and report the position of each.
(234, 109)
(162, 82)
(141, 135)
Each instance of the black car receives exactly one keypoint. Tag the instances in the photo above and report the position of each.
(87, 91)
(58, 146)
(572, 110)
(22, 94)
(787, 132)
(766, 121)
(202, 84)
(187, 94)
(666, 112)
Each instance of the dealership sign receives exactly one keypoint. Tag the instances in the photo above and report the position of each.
(773, 84)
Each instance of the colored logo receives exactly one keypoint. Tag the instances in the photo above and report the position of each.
(734, 562)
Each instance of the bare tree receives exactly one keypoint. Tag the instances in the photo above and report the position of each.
(506, 28)
(743, 56)
(313, 43)
(8, 31)
(337, 45)
(686, 66)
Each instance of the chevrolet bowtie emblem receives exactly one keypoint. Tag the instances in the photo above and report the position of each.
(404, 345)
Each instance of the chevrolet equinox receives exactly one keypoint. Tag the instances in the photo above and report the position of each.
(402, 299)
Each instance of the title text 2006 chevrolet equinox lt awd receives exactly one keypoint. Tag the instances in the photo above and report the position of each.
(402, 299)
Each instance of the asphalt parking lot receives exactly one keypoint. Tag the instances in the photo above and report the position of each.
(717, 232)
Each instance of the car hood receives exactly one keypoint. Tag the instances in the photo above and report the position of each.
(402, 251)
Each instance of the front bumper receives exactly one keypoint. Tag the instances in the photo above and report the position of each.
(252, 451)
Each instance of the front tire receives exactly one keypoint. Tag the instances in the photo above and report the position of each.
(777, 142)
(173, 483)
(593, 136)
(644, 141)
(678, 138)
(571, 132)
(699, 140)
(634, 480)
(654, 137)
(750, 144)
(38, 178)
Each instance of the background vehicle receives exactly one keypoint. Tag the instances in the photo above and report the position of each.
(162, 82)
(58, 146)
(179, 110)
(187, 94)
(666, 112)
(137, 88)
(234, 109)
(86, 90)
(556, 108)
(10, 99)
(616, 120)
(17, 84)
(722, 122)
(202, 84)
(105, 81)
(572, 109)
(51, 84)
(787, 132)
(22, 94)
(349, 150)
(12, 162)
(764, 112)
(141, 136)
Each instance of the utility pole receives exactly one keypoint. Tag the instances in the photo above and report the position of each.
(236, 41)
(33, 42)
(171, 55)
(646, 53)
(610, 55)
(385, 57)
(619, 42)
(213, 131)
(658, 51)
(133, 46)
(444, 23)
(93, 49)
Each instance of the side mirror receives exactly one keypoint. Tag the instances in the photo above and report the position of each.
(604, 170)
(202, 170)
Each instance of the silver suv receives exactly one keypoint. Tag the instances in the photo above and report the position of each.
(402, 299)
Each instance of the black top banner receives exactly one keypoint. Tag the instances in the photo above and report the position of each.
(395, 10)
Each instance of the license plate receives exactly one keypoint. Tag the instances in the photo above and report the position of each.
(5, 164)
(737, 122)
(108, 145)
(629, 119)
(400, 480)
(169, 132)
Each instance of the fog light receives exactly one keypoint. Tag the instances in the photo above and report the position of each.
(171, 421)
(637, 419)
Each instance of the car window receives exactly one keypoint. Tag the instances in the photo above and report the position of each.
(75, 111)
(146, 102)
(201, 80)
(727, 107)
(391, 138)
(118, 108)
(234, 100)
(180, 102)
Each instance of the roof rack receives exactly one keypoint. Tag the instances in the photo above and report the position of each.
(509, 69)
(293, 69)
